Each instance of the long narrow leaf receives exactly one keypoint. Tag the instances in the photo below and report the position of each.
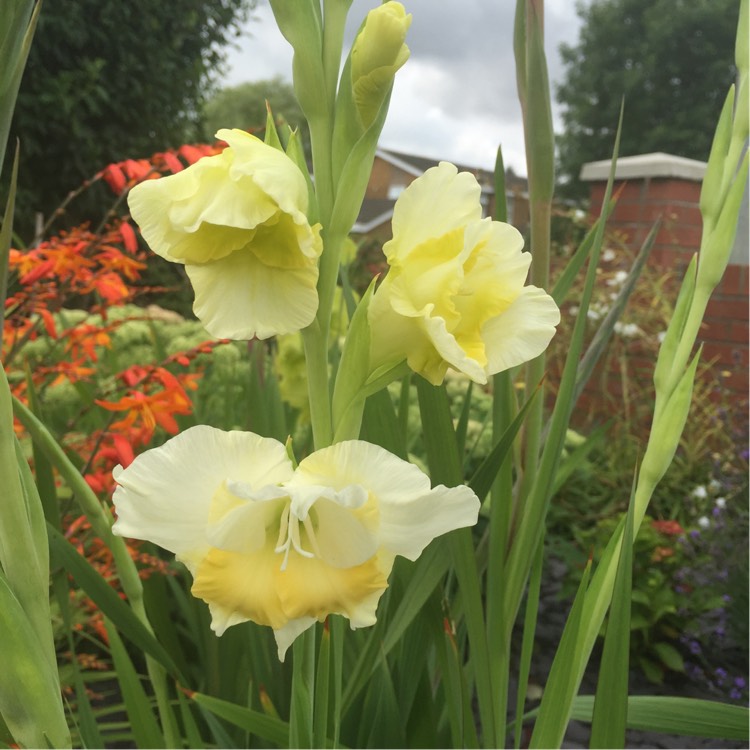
(604, 332)
(143, 722)
(445, 468)
(257, 723)
(29, 686)
(6, 234)
(303, 691)
(532, 522)
(527, 642)
(688, 717)
(611, 705)
(484, 476)
(106, 598)
(547, 728)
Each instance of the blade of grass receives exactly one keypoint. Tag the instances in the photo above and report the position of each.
(546, 730)
(532, 521)
(611, 704)
(29, 686)
(84, 715)
(577, 456)
(381, 426)
(484, 476)
(426, 573)
(463, 420)
(146, 731)
(687, 717)
(604, 332)
(106, 598)
(445, 468)
(6, 233)
(457, 694)
(19, 20)
(302, 708)
(527, 642)
(191, 732)
(322, 689)
(259, 724)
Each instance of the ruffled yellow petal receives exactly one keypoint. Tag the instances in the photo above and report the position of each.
(254, 586)
(165, 495)
(436, 203)
(239, 297)
(523, 331)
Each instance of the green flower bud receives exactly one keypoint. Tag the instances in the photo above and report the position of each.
(667, 428)
(378, 52)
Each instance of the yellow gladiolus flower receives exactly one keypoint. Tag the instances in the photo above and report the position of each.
(377, 53)
(238, 222)
(281, 546)
(454, 295)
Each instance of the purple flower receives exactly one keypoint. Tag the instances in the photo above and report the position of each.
(735, 694)
(740, 682)
(695, 648)
(720, 674)
(694, 534)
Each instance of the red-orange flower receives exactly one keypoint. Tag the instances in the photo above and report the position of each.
(668, 528)
(158, 408)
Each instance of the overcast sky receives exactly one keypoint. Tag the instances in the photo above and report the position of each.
(455, 98)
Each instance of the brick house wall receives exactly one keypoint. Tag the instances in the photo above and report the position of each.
(659, 185)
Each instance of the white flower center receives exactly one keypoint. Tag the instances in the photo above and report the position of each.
(289, 535)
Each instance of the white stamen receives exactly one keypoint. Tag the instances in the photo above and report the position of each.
(283, 526)
(311, 535)
(294, 529)
(289, 536)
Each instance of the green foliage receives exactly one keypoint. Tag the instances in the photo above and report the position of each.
(151, 63)
(671, 60)
(244, 107)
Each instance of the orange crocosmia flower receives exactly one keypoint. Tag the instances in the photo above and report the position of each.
(170, 161)
(72, 371)
(136, 170)
(114, 260)
(191, 153)
(129, 240)
(49, 321)
(114, 177)
(84, 339)
(133, 375)
(110, 287)
(37, 271)
(153, 409)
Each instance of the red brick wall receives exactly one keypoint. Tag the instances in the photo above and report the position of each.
(641, 201)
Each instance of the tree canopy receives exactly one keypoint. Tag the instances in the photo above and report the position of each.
(244, 106)
(672, 61)
(108, 80)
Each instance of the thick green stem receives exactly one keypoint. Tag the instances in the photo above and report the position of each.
(316, 356)
(501, 505)
(541, 213)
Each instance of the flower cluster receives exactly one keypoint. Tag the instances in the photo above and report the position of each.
(265, 541)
